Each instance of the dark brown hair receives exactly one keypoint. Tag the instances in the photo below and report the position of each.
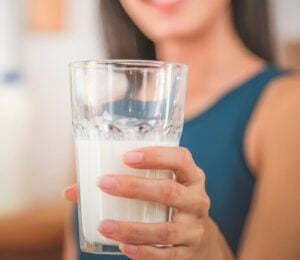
(124, 40)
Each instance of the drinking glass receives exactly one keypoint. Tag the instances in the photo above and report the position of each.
(119, 106)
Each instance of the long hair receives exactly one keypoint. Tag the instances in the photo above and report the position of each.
(124, 40)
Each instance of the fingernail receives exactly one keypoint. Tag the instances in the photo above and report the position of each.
(108, 227)
(130, 249)
(133, 157)
(107, 182)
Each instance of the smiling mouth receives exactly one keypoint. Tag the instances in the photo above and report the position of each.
(165, 5)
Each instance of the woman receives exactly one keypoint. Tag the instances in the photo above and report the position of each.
(241, 134)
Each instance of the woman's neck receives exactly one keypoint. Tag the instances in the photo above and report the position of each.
(217, 60)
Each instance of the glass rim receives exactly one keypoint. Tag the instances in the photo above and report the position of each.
(127, 64)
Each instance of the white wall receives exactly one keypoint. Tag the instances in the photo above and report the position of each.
(45, 66)
(287, 18)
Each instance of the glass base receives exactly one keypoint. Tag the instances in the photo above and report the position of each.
(98, 248)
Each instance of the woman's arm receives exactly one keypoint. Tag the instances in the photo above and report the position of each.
(273, 229)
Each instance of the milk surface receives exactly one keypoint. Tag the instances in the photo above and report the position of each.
(96, 157)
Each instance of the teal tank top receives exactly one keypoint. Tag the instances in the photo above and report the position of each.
(216, 140)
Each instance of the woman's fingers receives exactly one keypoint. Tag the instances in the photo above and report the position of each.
(143, 252)
(178, 159)
(166, 233)
(165, 191)
(71, 193)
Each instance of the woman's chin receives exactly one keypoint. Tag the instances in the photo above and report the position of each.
(171, 35)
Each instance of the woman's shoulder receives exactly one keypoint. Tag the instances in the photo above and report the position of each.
(282, 94)
(281, 98)
(284, 88)
(275, 117)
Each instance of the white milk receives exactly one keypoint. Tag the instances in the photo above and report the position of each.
(99, 157)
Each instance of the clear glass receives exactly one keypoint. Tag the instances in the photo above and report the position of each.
(118, 106)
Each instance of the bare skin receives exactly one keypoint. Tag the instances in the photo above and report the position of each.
(218, 61)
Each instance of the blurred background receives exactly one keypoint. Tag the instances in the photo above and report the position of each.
(38, 38)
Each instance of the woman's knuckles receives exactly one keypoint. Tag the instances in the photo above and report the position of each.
(206, 202)
(126, 186)
(164, 190)
(200, 174)
(185, 155)
(168, 233)
(131, 236)
(130, 187)
(171, 190)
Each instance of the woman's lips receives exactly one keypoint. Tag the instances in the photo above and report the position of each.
(165, 5)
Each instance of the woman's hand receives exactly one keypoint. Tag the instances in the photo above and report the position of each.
(191, 234)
